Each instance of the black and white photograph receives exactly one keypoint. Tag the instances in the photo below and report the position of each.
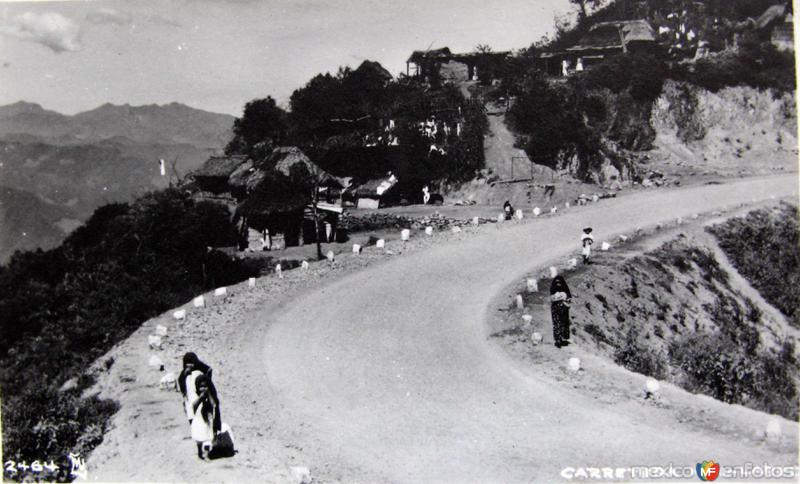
(400, 242)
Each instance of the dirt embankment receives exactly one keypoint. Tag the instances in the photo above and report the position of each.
(724, 132)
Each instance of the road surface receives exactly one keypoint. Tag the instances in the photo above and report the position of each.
(390, 375)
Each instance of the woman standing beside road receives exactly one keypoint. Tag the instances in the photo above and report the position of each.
(560, 299)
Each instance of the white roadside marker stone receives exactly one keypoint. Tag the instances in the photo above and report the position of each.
(773, 430)
(155, 362)
(652, 387)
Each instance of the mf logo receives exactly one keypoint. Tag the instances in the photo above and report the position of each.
(708, 470)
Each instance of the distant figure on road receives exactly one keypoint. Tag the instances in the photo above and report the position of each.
(587, 239)
(560, 299)
(508, 210)
(206, 421)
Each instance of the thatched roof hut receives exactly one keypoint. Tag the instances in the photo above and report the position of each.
(213, 175)
(289, 161)
(276, 203)
(616, 36)
(420, 56)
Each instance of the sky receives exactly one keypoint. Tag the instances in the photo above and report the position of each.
(72, 56)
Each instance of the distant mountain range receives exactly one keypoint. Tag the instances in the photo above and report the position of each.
(55, 169)
(169, 124)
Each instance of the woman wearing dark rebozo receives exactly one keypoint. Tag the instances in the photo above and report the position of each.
(560, 299)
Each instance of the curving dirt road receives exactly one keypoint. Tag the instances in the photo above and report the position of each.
(387, 375)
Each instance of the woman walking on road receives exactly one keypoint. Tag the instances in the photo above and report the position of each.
(560, 299)
(205, 423)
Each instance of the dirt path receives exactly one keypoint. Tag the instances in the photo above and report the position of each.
(386, 374)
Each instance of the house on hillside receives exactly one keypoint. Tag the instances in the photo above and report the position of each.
(609, 38)
(423, 63)
(269, 198)
(452, 67)
(213, 175)
(603, 40)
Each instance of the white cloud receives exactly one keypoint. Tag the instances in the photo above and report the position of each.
(53, 30)
(108, 16)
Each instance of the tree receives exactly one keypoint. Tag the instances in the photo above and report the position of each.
(312, 178)
(261, 121)
(584, 6)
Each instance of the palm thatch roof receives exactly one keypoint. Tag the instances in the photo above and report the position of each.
(422, 55)
(220, 166)
(275, 194)
(289, 161)
(610, 35)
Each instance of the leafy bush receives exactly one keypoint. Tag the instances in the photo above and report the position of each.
(715, 365)
(639, 358)
(62, 309)
(552, 130)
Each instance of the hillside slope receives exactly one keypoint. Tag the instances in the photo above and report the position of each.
(28, 222)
